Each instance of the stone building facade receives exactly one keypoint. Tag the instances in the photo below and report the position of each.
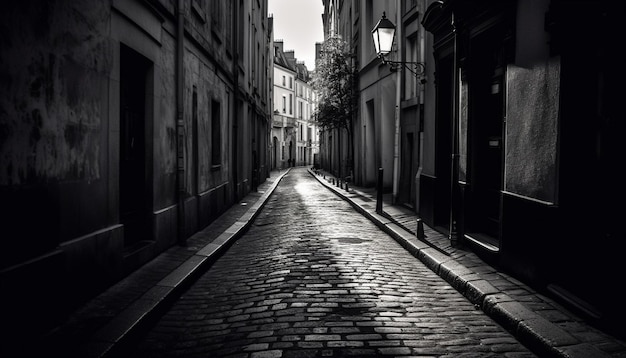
(125, 127)
(388, 128)
(510, 141)
(294, 130)
(529, 111)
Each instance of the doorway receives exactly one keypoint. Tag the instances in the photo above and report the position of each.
(485, 139)
(134, 206)
(407, 170)
(443, 142)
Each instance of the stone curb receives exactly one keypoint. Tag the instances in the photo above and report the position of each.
(541, 336)
(111, 340)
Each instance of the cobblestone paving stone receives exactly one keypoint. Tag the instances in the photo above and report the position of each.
(548, 308)
(97, 312)
(313, 278)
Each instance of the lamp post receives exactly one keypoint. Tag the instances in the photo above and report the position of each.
(383, 35)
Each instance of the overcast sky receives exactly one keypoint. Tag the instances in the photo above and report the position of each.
(299, 24)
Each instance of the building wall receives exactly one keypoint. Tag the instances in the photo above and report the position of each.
(377, 87)
(284, 123)
(285, 91)
(375, 142)
(307, 130)
(557, 150)
(294, 131)
(88, 118)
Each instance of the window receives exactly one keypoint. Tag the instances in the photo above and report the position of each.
(300, 110)
(369, 22)
(241, 23)
(216, 7)
(409, 4)
(410, 80)
(255, 68)
(216, 134)
(290, 103)
(290, 82)
(284, 83)
(284, 103)
(228, 27)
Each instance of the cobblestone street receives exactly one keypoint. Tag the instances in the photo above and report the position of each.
(312, 277)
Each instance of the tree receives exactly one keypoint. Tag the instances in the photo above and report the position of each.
(334, 81)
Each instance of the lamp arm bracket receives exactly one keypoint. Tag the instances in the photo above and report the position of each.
(417, 68)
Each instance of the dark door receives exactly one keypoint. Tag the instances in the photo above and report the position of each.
(407, 177)
(443, 142)
(487, 96)
(133, 208)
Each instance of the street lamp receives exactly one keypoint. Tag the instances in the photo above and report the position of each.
(383, 35)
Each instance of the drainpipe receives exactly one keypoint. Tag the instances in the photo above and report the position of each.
(421, 92)
(235, 113)
(453, 236)
(180, 124)
(396, 147)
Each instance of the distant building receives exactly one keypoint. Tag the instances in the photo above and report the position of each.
(294, 130)
(307, 143)
(125, 127)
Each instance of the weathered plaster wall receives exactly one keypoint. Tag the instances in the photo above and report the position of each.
(531, 130)
(210, 90)
(54, 72)
(165, 125)
(532, 109)
(55, 64)
(387, 125)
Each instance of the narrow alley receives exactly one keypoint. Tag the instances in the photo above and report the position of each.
(312, 277)
(303, 178)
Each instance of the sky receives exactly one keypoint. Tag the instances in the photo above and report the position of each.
(299, 24)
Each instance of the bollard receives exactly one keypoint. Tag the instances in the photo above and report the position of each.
(379, 191)
(420, 229)
(348, 190)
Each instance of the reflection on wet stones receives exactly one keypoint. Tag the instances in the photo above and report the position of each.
(315, 278)
(350, 240)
